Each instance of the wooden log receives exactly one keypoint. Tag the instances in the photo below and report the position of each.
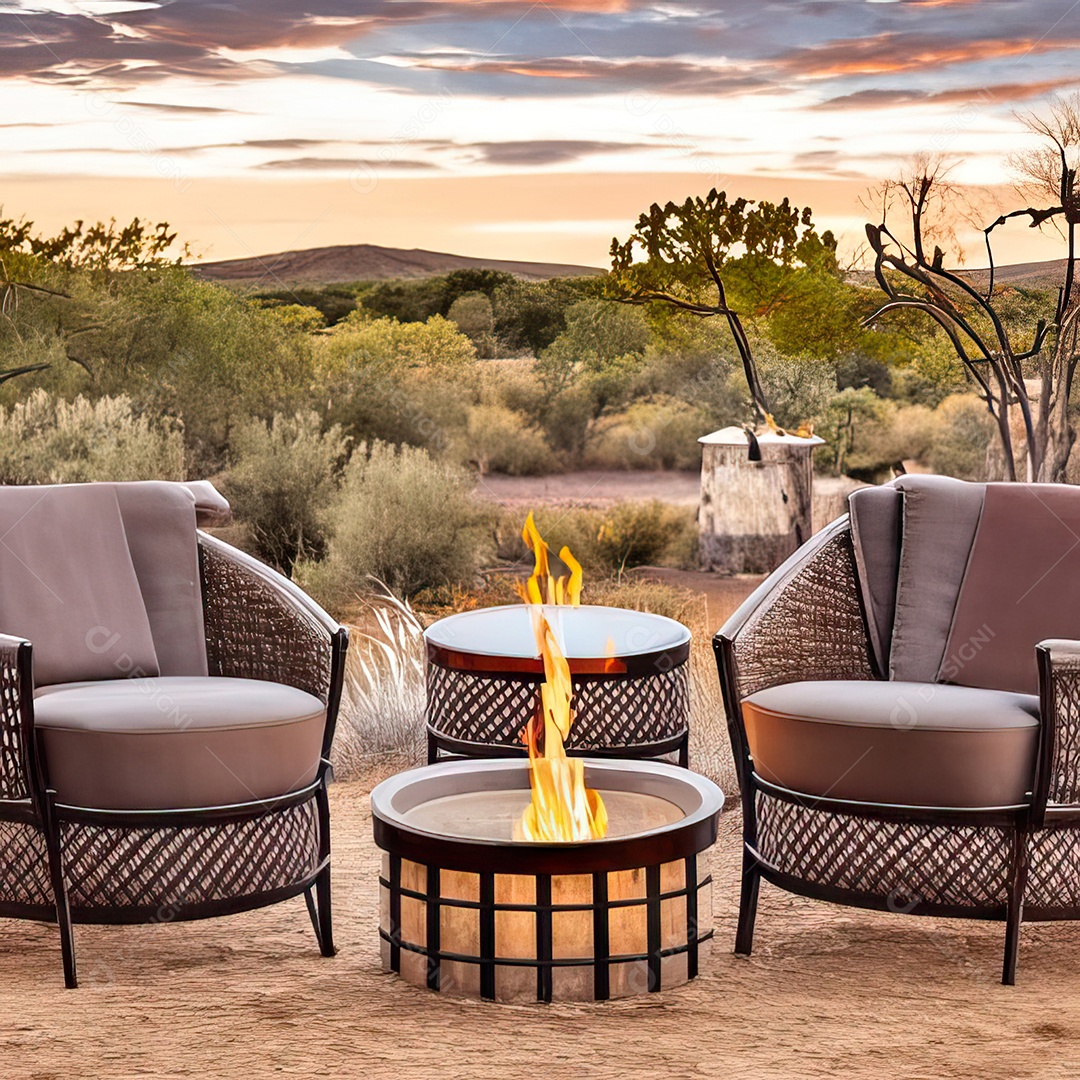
(754, 513)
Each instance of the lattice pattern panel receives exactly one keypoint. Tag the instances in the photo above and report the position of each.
(907, 863)
(13, 778)
(24, 865)
(810, 628)
(151, 867)
(1065, 768)
(1054, 869)
(255, 632)
(609, 713)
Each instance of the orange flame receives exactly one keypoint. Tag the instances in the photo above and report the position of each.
(542, 587)
(562, 807)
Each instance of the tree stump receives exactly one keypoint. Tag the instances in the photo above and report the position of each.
(754, 513)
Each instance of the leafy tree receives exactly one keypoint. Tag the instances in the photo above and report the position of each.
(472, 314)
(983, 324)
(682, 255)
(530, 315)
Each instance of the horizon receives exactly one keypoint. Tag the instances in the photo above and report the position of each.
(527, 132)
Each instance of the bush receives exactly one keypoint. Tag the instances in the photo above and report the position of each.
(609, 541)
(499, 440)
(652, 435)
(965, 431)
(403, 517)
(282, 484)
(45, 440)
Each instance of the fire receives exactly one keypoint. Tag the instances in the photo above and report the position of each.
(542, 588)
(562, 807)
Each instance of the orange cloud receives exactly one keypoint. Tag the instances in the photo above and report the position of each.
(890, 53)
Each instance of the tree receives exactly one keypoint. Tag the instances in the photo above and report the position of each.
(913, 276)
(691, 250)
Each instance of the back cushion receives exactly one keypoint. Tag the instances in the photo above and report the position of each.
(159, 521)
(875, 536)
(68, 585)
(1022, 585)
(940, 517)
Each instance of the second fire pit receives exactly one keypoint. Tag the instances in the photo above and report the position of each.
(631, 694)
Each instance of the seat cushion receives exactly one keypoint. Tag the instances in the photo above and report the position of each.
(177, 742)
(67, 584)
(907, 743)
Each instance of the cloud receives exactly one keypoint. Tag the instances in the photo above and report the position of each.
(962, 95)
(546, 151)
(320, 164)
(595, 75)
(177, 110)
(891, 53)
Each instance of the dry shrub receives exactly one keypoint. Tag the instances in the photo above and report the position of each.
(382, 707)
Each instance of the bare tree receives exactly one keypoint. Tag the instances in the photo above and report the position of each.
(914, 276)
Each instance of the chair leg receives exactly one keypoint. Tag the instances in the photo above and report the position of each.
(318, 905)
(432, 749)
(748, 898)
(60, 898)
(1014, 915)
(684, 751)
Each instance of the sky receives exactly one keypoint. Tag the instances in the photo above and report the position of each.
(504, 129)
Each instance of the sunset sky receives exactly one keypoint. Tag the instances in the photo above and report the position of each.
(503, 129)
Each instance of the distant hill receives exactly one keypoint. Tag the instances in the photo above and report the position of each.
(368, 262)
(1032, 275)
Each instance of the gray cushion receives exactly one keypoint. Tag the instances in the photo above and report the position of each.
(1022, 585)
(940, 516)
(68, 585)
(159, 521)
(915, 744)
(875, 535)
(176, 743)
(211, 507)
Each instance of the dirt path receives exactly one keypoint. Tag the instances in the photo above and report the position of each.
(829, 992)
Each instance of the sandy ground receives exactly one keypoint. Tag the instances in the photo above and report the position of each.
(829, 992)
(592, 488)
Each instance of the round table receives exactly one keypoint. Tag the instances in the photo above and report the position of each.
(630, 679)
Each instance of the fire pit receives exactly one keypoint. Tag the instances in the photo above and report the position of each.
(629, 672)
(470, 908)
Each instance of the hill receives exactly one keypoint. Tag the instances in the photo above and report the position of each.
(368, 262)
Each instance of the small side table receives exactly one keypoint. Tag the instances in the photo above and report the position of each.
(630, 677)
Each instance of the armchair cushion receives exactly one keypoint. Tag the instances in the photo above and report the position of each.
(940, 517)
(1022, 585)
(159, 522)
(178, 742)
(906, 743)
(875, 536)
(68, 585)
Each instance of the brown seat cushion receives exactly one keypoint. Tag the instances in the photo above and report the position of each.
(914, 744)
(67, 584)
(178, 742)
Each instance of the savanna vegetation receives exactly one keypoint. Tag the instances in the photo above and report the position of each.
(348, 424)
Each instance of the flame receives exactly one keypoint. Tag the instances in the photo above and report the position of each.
(562, 807)
(542, 587)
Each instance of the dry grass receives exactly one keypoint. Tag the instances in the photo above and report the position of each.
(382, 707)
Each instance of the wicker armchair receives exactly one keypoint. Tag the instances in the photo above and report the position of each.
(986, 822)
(141, 795)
